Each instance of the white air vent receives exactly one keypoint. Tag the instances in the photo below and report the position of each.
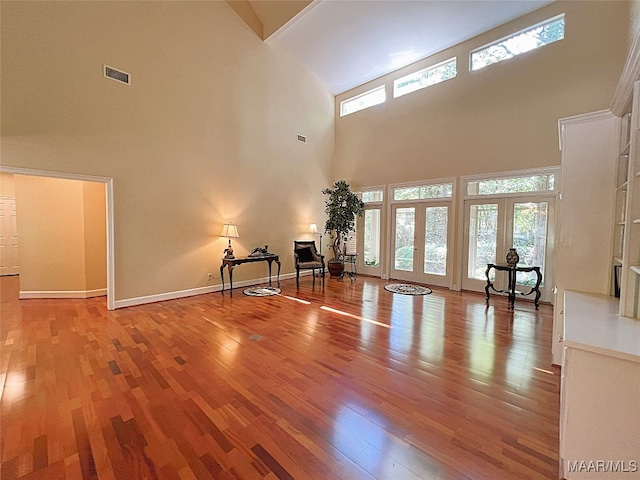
(117, 75)
(302, 138)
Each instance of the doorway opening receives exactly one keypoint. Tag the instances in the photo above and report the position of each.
(108, 200)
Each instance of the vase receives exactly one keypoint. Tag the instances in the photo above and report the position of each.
(512, 257)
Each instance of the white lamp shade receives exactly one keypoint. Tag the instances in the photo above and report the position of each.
(313, 228)
(229, 230)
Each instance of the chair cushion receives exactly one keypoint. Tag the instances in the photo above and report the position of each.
(305, 255)
(310, 265)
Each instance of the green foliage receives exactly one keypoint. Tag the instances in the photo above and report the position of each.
(342, 206)
(533, 183)
(427, 77)
(422, 192)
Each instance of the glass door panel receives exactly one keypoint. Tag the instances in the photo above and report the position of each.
(435, 240)
(529, 237)
(370, 261)
(372, 237)
(404, 244)
(436, 232)
(483, 239)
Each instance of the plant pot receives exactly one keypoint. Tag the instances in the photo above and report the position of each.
(335, 268)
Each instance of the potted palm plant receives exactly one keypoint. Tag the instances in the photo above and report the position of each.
(342, 206)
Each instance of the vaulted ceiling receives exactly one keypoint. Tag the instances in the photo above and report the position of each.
(346, 43)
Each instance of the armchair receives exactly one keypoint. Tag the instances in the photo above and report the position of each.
(307, 258)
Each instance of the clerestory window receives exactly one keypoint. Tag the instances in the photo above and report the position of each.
(425, 78)
(362, 101)
(523, 41)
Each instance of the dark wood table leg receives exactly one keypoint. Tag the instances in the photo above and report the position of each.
(230, 267)
(486, 289)
(512, 288)
(537, 288)
(231, 264)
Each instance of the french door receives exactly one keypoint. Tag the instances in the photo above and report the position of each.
(491, 227)
(421, 242)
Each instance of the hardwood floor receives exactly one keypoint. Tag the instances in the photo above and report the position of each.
(348, 381)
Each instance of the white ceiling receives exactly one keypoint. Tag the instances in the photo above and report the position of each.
(346, 43)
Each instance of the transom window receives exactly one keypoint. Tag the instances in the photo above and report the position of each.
(422, 192)
(362, 101)
(517, 184)
(373, 196)
(425, 78)
(534, 37)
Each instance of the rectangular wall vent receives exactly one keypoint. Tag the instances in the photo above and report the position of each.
(117, 75)
(302, 138)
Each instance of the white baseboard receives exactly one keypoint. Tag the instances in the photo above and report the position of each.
(25, 295)
(161, 297)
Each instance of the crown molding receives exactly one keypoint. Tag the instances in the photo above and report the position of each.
(624, 91)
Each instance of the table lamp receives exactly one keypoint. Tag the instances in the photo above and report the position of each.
(230, 231)
(313, 228)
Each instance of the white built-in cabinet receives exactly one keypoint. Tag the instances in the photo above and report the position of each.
(599, 391)
(597, 335)
(585, 212)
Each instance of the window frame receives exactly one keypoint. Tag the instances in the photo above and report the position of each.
(361, 193)
(361, 95)
(453, 60)
(513, 35)
(465, 180)
(380, 206)
(440, 181)
(451, 202)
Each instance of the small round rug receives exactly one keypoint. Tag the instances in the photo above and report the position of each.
(407, 289)
(261, 291)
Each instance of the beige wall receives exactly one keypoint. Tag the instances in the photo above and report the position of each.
(276, 14)
(7, 188)
(61, 235)
(205, 133)
(503, 117)
(247, 13)
(95, 235)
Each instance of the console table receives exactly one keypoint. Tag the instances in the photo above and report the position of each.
(511, 290)
(231, 263)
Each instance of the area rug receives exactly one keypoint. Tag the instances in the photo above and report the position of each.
(407, 289)
(261, 291)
